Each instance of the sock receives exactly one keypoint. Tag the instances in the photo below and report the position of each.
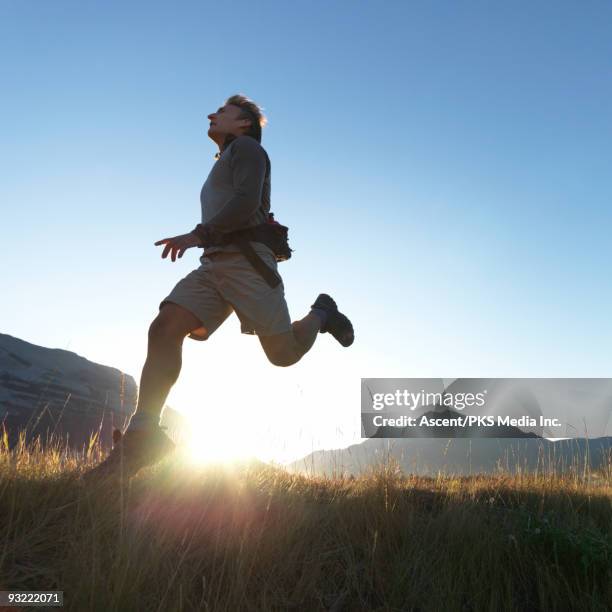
(322, 314)
(142, 421)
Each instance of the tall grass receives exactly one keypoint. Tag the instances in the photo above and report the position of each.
(255, 537)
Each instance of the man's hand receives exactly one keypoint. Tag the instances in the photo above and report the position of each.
(178, 244)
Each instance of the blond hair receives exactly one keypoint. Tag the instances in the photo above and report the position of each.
(250, 110)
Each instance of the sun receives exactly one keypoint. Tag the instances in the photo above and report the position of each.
(208, 444)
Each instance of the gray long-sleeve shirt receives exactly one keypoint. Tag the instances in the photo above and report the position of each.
(236, 194)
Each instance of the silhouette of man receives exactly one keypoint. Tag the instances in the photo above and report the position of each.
(235, 196)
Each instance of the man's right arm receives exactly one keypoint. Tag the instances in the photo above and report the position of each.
(206, 234)
(179, 244)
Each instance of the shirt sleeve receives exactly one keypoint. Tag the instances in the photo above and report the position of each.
(248, 165)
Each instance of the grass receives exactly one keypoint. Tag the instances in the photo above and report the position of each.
(255, 537)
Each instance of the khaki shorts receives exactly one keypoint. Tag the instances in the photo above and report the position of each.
(226, 283)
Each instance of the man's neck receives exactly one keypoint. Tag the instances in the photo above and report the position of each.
(226, 142)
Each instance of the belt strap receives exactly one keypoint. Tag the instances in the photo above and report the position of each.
(257, 262)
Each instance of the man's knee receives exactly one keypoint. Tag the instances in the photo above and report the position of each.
(173, 323)
(283, 359)
(281, 350)
(161, 329)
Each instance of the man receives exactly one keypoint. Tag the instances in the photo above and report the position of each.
(235, 196)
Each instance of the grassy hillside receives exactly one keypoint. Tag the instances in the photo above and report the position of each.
(254, 537)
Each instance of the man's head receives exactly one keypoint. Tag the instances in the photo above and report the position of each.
(236, 117)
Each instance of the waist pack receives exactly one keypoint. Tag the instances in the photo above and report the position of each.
(271, 233)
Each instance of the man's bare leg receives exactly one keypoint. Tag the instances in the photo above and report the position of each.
(288, 348)
(306, 330)
(144, 443)
(164, 359)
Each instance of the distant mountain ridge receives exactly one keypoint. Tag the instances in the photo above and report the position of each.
(461, 456)
(54, 390)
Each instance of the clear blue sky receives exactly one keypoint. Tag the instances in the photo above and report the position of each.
(445, 170)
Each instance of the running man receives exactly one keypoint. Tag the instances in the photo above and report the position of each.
(235, 196)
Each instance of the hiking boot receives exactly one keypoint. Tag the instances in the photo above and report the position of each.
(337, 324)
(131, 452)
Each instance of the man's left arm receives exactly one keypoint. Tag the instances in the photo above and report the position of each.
(248, 164)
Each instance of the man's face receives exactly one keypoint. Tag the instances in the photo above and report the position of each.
(225, 121)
